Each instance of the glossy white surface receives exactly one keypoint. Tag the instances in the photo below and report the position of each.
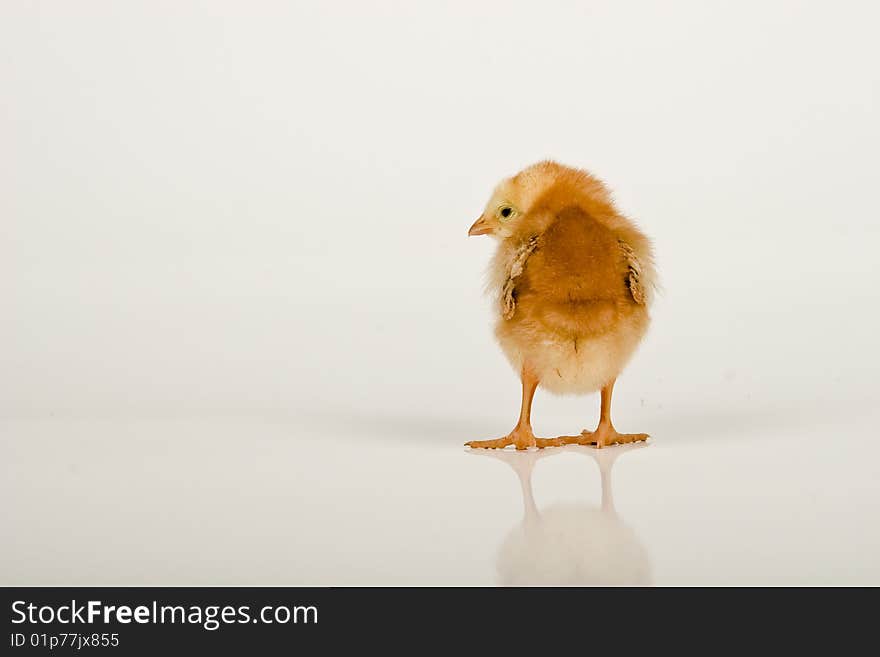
(362, 500)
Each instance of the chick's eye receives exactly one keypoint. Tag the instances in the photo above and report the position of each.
(506, 212)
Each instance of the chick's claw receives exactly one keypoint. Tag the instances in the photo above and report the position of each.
(498, 443)
(520, 440)
(604, 436)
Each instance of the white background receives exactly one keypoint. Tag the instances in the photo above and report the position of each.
(243, 334)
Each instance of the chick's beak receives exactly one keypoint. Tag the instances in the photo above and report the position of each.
(481, 227)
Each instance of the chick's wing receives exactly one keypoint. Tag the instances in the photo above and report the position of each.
(578, 276)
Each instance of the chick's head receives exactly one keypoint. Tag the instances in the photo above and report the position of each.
(509, 211)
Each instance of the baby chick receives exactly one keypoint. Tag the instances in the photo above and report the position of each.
(573, 280)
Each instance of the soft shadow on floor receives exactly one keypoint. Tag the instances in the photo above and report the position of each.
(453, 430)
(700, 425)
(676, 425)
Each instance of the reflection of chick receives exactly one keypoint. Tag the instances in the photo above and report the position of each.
(574, 280)
(571, 544)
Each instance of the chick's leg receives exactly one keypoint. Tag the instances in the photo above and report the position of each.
(521, 437)
(605, 433)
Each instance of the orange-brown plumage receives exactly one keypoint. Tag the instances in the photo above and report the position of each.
(573, 280)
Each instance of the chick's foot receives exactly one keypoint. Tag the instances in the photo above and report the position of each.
(519, 438)
(603, 436)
